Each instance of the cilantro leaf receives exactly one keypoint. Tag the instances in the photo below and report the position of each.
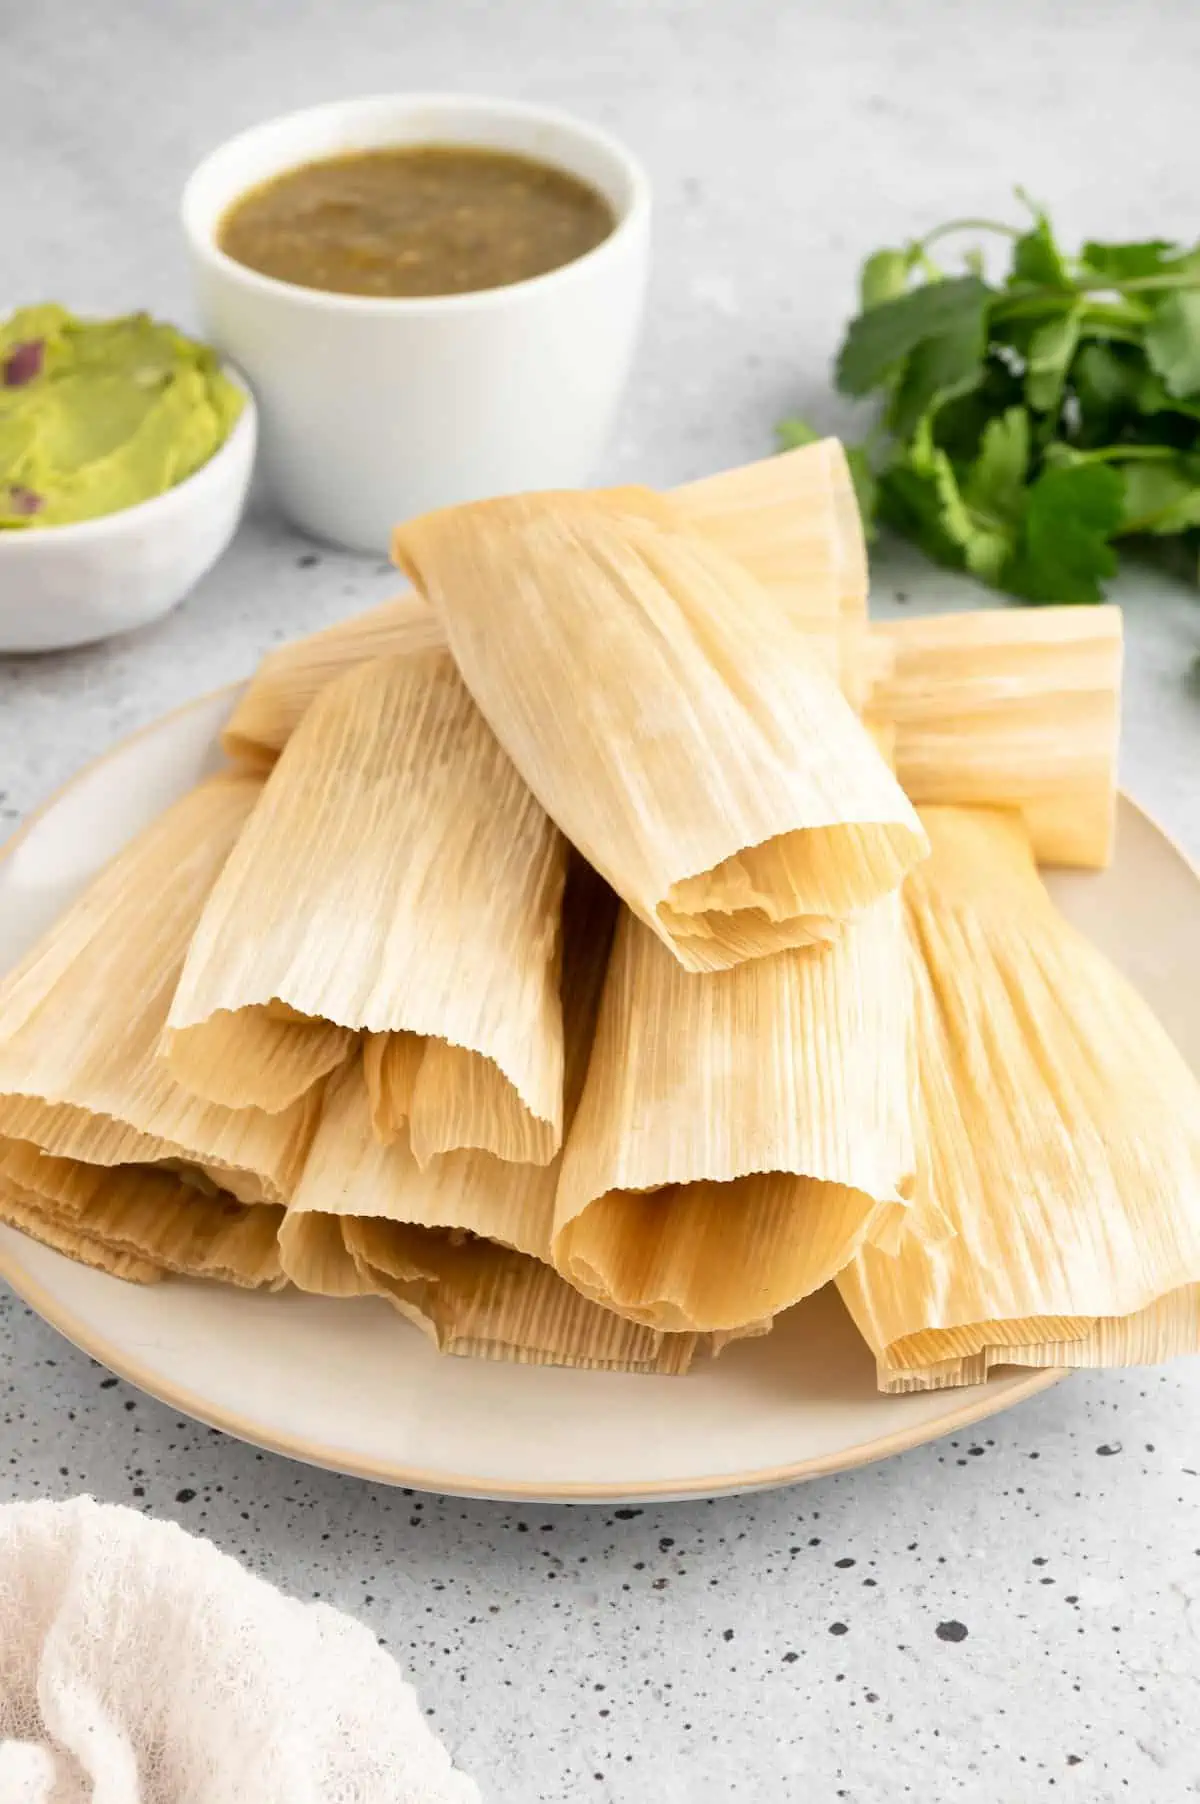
(939, 369)
(910, 504)
(885, 334)
(996, 480)
(883, 276)
(1063, 552)
(980, 512)
(1050, 352)
(1104, 379)
(1152, 398)
(1161, 496)
(1024, 427)
(1173, 342)
(960, 423)
(1036, 256)
(1126, 262)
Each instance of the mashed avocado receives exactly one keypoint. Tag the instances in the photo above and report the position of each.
(97, 415)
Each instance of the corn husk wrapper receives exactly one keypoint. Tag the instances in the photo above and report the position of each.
(740, 1134)
(138, 1222)
(291, 677)
(32, 1219)
(792, 521)
(80, 1020)
(477, 1299)
(396, 877)
(1009, 708)
(670, 719)
(472, 1295)
(461, 1248)
(1058, 1134)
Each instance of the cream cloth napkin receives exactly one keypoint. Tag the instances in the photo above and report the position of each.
(140, 1666)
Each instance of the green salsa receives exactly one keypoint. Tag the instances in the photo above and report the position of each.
(415, 220)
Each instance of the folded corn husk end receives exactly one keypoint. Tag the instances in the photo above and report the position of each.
(718, 1256)
(798, 890)
(793, 522)
(31, 1218)
(443, 1097)
(290, 678)
(758, 814)
(1058, 1131)
(1168, 1328)
(127, 1217)
(396, 878)
(740, 1134)
(254, 1052)
(1008, 707)
(82, 1014)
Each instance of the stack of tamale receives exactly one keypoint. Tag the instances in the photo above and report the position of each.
(614, 940)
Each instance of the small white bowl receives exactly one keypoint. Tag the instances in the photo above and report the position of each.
(71, 585)
(377, 408)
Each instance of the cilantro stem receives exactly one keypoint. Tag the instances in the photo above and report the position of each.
(1136, 284)
(1029, 301)
(967, 225)
(1112, 454)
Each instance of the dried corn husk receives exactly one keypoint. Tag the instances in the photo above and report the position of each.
(483, 1301)
(461, 1247)
(670, 719)
(367, 1221)
(396, 877)
(1009, 708)
(289, 678)
(350, 1173)
(1059, 1134)
(81, 1016)
(138, 1222)
(33, 1220)
(740, 1134)
(791, 520)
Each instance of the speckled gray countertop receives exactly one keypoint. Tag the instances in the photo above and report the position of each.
(1010, 1617)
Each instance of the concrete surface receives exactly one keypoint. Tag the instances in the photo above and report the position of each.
(1014, 1617)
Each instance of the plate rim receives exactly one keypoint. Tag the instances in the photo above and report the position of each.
(96, 1346)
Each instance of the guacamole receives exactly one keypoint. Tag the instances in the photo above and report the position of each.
(97, 415)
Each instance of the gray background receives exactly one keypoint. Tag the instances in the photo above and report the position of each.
(785, 1646)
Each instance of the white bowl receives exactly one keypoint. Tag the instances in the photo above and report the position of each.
(374, 409)
(70, 585)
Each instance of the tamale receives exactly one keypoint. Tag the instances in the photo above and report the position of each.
(350, 1173)
(1009, 708)
(136, 1221)
(31, 1219)
(740, 1133)
(292, 676)
(80, 1020)
(462, 1247)
(669, 717)
(474, 1298)
(396, 878)
(792, 521)
(1058, 1133)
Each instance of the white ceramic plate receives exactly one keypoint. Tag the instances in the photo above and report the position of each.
(349, 1386)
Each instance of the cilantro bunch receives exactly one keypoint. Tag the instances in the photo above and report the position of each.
(1026, 428)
